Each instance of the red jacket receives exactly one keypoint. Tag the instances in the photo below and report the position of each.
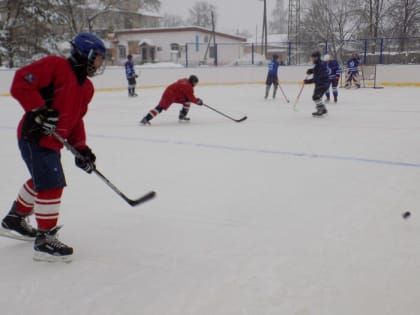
(181, 92)
(53, 76)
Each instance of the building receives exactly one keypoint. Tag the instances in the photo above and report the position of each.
(184, 45)
(276, 44)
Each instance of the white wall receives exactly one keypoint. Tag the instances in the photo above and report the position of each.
(114, 77)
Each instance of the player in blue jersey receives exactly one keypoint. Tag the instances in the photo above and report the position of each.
(334, 70)
(322, 83)
(353, 71)
(131, 75)
(272, 76)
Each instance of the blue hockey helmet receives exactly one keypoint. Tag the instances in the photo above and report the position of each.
(85, 48)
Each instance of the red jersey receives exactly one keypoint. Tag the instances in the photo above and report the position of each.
(52, 81)
(181, 92)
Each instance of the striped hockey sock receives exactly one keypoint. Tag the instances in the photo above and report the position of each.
(26, 199)
(47, 206)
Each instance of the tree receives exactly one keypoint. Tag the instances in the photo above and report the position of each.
(171, 20)
(200, 14)
(278, 22)
(404, 18)
(329, 20)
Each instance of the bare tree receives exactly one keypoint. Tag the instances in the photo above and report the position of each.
(278, 21)
(404, 20)
(331, 21)
(171, 20)
(200, 14)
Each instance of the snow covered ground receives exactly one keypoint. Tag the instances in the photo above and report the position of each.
(281, 214)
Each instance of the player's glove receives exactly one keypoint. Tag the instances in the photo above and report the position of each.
(337, 78)
(307, 81)
(136, 76)
(200, 102)
(38, 123)
(87, 163)
(310, 71)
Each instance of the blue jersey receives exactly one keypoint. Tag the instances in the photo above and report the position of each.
(273, 67)
(353, 65)
(334, 69)
(129, 70)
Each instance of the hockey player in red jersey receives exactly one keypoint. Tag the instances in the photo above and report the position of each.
(54, 93)
(182, 92)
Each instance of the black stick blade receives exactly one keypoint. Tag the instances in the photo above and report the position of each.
(241, 120)
(143, 199)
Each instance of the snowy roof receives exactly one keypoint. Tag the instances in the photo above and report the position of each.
(177, 29)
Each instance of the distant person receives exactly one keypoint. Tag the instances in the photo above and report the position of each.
(272, 76)
(322, 83)
(55, 93)
(353, 71)
(182, 92)
(334, 70)
(131, 75)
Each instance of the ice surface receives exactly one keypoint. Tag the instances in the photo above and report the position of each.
(281, 214)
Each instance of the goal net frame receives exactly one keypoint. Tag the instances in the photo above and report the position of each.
(368, 76)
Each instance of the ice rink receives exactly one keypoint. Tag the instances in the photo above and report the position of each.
(283, 214)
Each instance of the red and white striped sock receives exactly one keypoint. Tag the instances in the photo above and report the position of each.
(47, 206)
(26, 198)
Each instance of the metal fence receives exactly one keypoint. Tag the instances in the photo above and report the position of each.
(370, 51)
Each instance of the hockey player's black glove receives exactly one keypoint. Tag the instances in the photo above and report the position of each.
(136, 75)
(307, 81)
(200, 102)
(38, 123)
(310, 71)
(88, 162)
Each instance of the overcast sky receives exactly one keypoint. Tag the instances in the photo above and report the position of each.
(233, 14)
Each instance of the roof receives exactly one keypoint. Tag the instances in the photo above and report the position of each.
(177, 29)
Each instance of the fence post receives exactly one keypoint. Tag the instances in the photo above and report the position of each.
(216, 55)
(252, 54)
(289, 53)
(326, 47)
(365, 52)
(381, 55)
(186, 55)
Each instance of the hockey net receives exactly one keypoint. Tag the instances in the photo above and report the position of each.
(368, 76)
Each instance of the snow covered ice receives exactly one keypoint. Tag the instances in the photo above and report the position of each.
(281, 214)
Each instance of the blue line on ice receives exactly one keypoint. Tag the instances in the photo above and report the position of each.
(263, 151)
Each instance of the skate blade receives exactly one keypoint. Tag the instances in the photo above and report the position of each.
(182, 121)
(14, 235)
(39, 256)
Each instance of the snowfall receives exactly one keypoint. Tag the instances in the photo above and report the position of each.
(282, 214)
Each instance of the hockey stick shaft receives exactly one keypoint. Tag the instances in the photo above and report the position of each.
(77, 154)
(227, 116)
(284, 94)
(299, 94)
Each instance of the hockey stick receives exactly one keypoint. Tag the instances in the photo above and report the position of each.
(284, 94)
(227, 116)
(298, 96)
(132, 202)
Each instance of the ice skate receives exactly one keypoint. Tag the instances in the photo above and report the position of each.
(145, 122)
(183, 118)
(335, 99)
(321, 111)
(16, 226)
(47, 247)
(327, 99)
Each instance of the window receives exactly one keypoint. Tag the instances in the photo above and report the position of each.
(175, 46)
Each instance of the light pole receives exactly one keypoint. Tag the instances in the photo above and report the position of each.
(264, 38)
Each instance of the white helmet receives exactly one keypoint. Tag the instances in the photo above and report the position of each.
(327, 57)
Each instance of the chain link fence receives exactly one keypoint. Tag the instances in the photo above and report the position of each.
(370, 51)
